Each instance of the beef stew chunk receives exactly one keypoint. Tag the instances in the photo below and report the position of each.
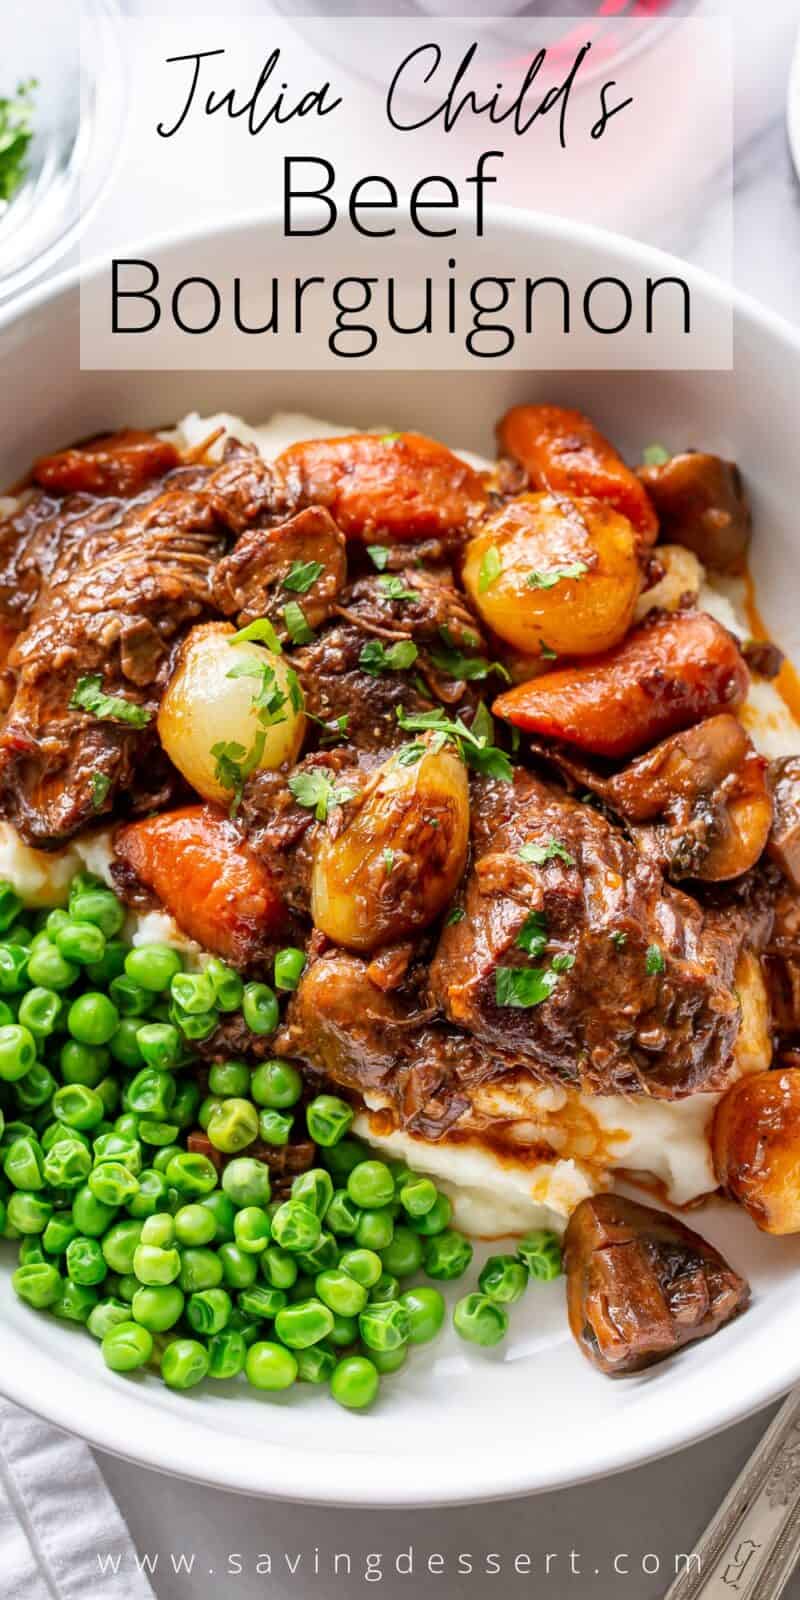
(301, 560)
(640, 1284)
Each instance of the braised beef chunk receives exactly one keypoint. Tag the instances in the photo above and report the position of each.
(575, 953)
(126, 580)
(640, 1285)
(383, 1043)
(301, 561)
(701, 502)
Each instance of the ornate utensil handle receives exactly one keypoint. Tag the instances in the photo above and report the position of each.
(749, 1549)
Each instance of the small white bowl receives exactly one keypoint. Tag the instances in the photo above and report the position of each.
(456, 1424)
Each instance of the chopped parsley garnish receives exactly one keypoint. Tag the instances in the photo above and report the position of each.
(390, 438)
(523, 986)
(548, 577)
(269, 699)
(16, 132)
(409, 754)
(619, 939)
(447, 658)
(473, 747)
(333, 730)
(489, 570)
(316, 792)
(379, 556)
(538, 854)
(546, 653)
(654, 960)
(101, 784)
(395, 589)
(296, 625)
(88, 696)
(259, 632)
(456, 914)
(654, 455)
(234, 764)
(375, 657)
(563, 962)
(388, 860)
(302, 576)
(532, 936)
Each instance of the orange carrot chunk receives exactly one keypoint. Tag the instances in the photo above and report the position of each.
(666, 675)
(564, 452)
(119, 464)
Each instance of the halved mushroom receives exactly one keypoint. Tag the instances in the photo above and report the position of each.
(640, 1284)
(701, 503)
(756, 1146)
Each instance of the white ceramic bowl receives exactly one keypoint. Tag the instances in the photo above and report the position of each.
(456, 1424)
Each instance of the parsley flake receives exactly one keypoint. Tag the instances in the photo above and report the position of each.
(490, 569)
(473, 747)
(88, 696)
(388, 860)
(619, 939)
(523, 987)
(316, 792)
(546, 653)
(101, 784)
(375, 657)
(654, 960)
(302, 576)
(532, 936)
(259, 632)
(395, 589)
(538, 854)
(456, 914)
(234, 764)
(379, 556)
(410, 754)
(16, 132)
(548, 577)
(269, 699)
(296, 625)
(654, 455)
(447, 658)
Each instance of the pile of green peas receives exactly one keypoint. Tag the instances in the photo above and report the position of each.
(124, 1230)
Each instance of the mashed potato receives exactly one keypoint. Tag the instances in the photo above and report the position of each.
(558, 1145)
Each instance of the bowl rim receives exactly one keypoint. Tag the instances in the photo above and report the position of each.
(250, 1465)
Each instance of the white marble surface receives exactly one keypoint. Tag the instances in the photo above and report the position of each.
(657, 1510)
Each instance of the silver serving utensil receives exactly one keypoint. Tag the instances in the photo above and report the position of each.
(750, 1548)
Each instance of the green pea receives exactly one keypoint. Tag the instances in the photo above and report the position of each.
(30, 1250)
(418, 1196)
(207, 1106)
(184, 1107)
(194, 1225)
(153, 966)
(261, 1301)
(107, 1314)
(184, 1364)
(274, 1127)
(100, 907)
(58, 1233)
(154, 1266)
(192, 1173)
(232, 1125)
(151, 1093)
(67, 1164)
(375, 1229)
(303, 1324)
(83, 1063)
(223, 1211)
(163, 1156)
(270, 1366)
(111, 964)
(159, 1043)
(226, 1354)
(160, 1134)
(76, 1302)
(365, 1266)
(130, 999)
(80, 942)
(37, 1087)
(77, 1106)
(39, 1011)
(370, 1185)
(120, 1243)
(295, 1226)
(425, 1309)
(388, 1361)
(200, 1269)
(193, 992)
(239, 1270)
(540, 1252)
(92, 1018)
(289, 964)
(208, 1311)
(23, 1163)
(276, 1084)
(252, 1229)
(314, 1189)
(199, 1025)
(229, 1078)
(504, 1279)
(151, 1195)
(435, 1220)
(247, 1182)
(321, 1256)
(112, 1183)
(116, 1146)
(316, 1364)
(126, 1346)
(85, 1261)
(278, 1267)
(342, 1216)
(384, 1325)
(17, 1052)
(55, 1133)
(354, 1382)
(91, 1215)
(158, 1308)
(38, 1284)
(479, 1320)
(260, 1008)
(126, 1286)
(10, 904)
(447, 1255)
(344, 1331)
(340, 1292)
(341, 1158)
(13, 967)
(227, 985)
(159, 1229)
(48, 969)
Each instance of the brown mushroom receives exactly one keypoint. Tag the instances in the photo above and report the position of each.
(640, 1284)
(701, 503)
(756, 1146)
